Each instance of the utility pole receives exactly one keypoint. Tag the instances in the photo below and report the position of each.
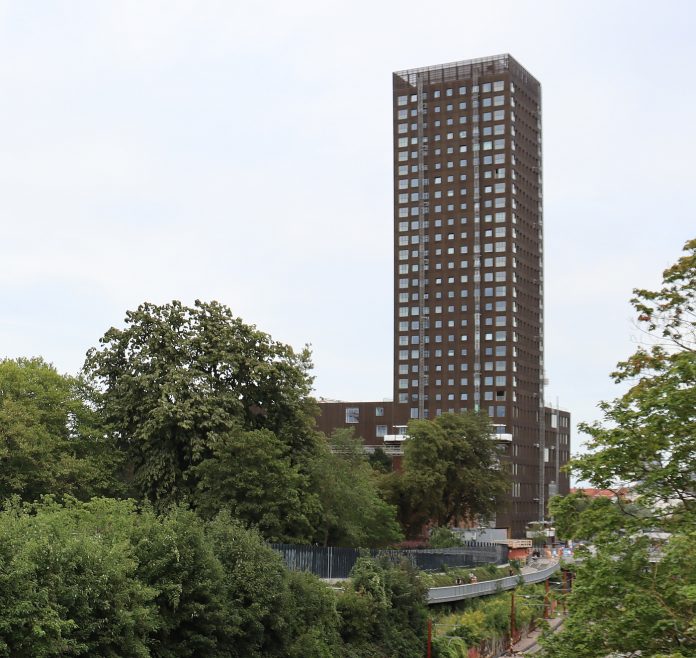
(512, 619)
(430, 637)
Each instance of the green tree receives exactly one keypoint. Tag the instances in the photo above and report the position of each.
(314, 624)
(443, 538)
(50, 440)
(353, 512)
(380, 461)
(252, 475)
(68, 589)
(451, 472)
(624, 602)
(577, 516)
(175, 377)
(110, 578)
(638, 592)
(177, 559)
(254, 583)
(383, 610)
(648, 437)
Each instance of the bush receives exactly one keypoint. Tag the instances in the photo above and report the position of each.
(315, 622)
(384, 608)
(67, 586)
(443, 538)
(449, 647)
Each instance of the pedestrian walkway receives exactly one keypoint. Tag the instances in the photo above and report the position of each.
(532, 573)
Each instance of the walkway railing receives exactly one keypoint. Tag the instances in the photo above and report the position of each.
(459, 592)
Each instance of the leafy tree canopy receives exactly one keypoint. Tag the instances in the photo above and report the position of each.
(353, 512)
(176, 377)
(577, 516)
(113, 578)
(638, 592)
(383, 610)
(451, 472)
(49, 436)
(648, 437)
(623, 602)
(251, 474)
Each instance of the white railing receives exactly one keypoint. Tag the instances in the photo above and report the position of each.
(459, 592)
(394, 451)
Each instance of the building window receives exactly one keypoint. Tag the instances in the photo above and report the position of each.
(381, 430)
(379, 411)
(352, 415)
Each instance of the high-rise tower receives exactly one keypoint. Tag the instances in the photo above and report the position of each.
(468, 273)
(468, 255)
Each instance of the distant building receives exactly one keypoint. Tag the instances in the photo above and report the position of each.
(623, 493)
(468, 271)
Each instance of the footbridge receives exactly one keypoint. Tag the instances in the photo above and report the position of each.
(529, 575)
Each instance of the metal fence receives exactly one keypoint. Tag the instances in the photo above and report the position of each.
(331, 562)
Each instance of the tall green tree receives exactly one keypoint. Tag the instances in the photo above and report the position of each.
(50, 437)
(353, 512)
(177, 376)
(648, 437)
(451, 472)
(630, 597)
(252, 475)
(639, 591)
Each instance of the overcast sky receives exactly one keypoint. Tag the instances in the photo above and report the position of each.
(241, 151)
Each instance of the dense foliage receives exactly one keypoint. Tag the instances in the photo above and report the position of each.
(443, 538)
(384, 611)
(450, 473)
(352, 511)
(485, 620)
(643, 570)
(110, 578)
(137, 499)
(50, 441)
(176, 379)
